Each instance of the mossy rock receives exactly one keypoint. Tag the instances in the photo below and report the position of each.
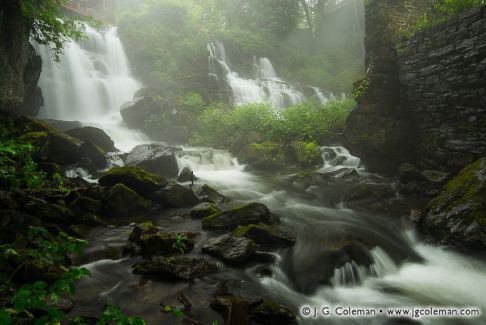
(175, 268)
(208, 194)
(139, 180)
(265, 236)
(96, 136)
(175, 195)
(252, 213)
(231, 249)
(48, 212)
(458, 215)
(122, 201)
(263, 156)
(203, 210)
(269, 312)
(166, 243)
(305, 154)
(408, 173)
(144, 228)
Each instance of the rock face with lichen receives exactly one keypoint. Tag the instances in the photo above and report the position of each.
(457, 216)
(20, 67)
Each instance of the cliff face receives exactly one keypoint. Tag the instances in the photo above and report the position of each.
(20, 67)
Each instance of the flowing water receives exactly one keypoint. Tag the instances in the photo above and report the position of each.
(90, 84)
(267, 87)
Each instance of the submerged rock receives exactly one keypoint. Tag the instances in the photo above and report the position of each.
(203, 210)
(458, 215)
(178, 267)
(270, 312)
(265, 236)
(166, 243)
(122, 201)
(233, 250)
(176, 196)
(233, 309)
(208, 194)
(96, 136)
(141, 181)
(252, 213)
(155, 158)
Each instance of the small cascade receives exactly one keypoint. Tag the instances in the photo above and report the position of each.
(90, 84)
(323, 100)
(267, 87)
(338, 157)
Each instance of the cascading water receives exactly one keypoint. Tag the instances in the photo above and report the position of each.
(90, 84)
(266, 88)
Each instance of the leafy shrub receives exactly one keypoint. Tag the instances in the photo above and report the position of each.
(221, 125)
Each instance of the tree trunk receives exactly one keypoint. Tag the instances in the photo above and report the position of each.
(308, 17)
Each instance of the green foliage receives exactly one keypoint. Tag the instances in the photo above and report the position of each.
(59, 182)
(48, 25)
(194, 102)
(361, 88)
(17, 168)
(220, 125)
(179, 243)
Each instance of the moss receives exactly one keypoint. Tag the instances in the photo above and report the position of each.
(203, 210)
(134, 172)
(267, 154)
(123, 201)
(306, 153)
(466, 189)
(34, 138)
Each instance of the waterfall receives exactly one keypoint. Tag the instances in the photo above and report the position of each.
(90, 84)
(267, 87)
(320, 96)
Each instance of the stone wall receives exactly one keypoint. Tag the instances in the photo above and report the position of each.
(377, 128)
(442, 75)
(424, 104)
(20, 67)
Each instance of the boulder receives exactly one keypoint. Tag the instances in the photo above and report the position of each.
(144, 228)
(166, 243)
(304, 154)
(186, 175)
(46, 211)
(252, 213)
(457, 216)
(231, 249)
(265, 236)
(233, 309)
(93, 157)
(155, 158)
(263, 156)
(269, 312)
(203, 210)
(208, 194)
(175, 196)
(141, 181)
(408, 173)
(122, 201)
(87, 209)
(96, 136)
(177, 267)
(339, 176)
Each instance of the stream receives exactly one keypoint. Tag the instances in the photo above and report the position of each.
(92, 83)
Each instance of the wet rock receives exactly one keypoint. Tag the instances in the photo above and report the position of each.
(457, 216)
(252, 213)
(435, 176)
(176, 196)
(233, 309)
(408, 173)
(186, 175)
(270, 312)
(14, 223)
(122, 201)
(203, 210)
(94, 192)
(265, 236)
(178, 267)
(139, 180)
(166, 243)
(340, 176)
(155, 158)
(266, 155)
(87, 211)
(233, 250)
(264, 271)
(47, 212)
(144, 228)
(208, 194)
(304, 154)
(96, 136)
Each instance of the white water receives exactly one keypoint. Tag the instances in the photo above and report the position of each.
(267, 87)
(443, 278)
(90, 84)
